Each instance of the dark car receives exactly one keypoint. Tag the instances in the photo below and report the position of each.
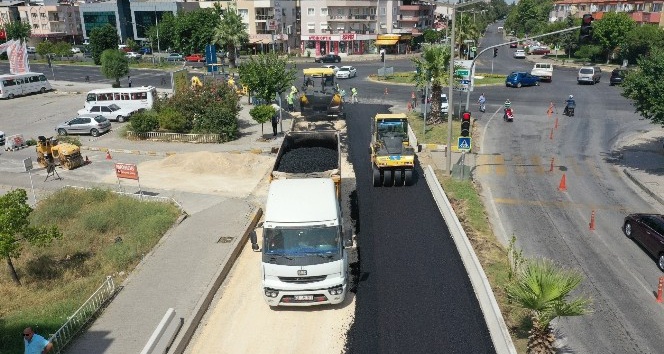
(328, 58)
(648, 230)
(514, 43)
(539, 51)
(518, 79)
(617, 76)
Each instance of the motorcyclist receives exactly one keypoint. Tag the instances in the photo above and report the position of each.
(569, 104)
(482, 101)
(508, 110)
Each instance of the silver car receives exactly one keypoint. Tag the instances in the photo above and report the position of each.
(85, 124)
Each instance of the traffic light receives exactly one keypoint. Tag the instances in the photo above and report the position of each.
(586, 33)
(465, 124)
(382, 57)
(495, 52)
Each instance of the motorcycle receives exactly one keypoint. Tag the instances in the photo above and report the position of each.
(482, 107)
(509, 115)
(569, 110)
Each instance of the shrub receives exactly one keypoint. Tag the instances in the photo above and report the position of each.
(172, 120)
(263, 113)
(70, 140)
(31, 142)
(145, 121)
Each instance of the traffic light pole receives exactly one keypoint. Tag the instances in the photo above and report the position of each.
(472, 65)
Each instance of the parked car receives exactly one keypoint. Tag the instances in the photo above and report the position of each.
(134, 55)
(197, 58)
(444, 104)
(519, 78)
(32, 50)
(174, 57)
(145, 50)
(333, 67)
(513, 43)
(519, 54)
(589, 75)
(92, 124)
(328, 58)
(346, 72)
(75, 50)
(617, 76)
(539, 50)
(648, 230)
(110, 112)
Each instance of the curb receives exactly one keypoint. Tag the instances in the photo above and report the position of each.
(643, 186)
(500, 335)
(263, 151)
(180, 345)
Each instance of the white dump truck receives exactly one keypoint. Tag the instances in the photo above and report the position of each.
(304, 249)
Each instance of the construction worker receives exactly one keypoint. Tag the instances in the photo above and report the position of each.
(353, 95)
(289, 99)
(413, 98)
(293, 89)
(342, 93)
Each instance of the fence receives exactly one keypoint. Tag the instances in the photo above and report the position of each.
(80, 318)
(187, 138)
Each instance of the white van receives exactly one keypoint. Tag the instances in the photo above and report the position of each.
(23, 84)
(543, 70)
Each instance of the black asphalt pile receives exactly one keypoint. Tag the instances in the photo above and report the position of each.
(308, 160)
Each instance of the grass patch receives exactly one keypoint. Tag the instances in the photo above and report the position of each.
(435, 134)
(467, 204)
(103, 234)
(407, 77)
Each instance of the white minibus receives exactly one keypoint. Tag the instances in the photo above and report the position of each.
(12, 85)
(131, 98)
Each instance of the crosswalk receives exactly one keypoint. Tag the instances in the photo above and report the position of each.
(505, 165)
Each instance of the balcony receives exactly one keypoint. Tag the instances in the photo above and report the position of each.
(411, 7)
(409, 18)
(264, 17)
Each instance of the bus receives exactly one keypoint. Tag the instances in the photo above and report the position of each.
(13, 85)
(131, 98)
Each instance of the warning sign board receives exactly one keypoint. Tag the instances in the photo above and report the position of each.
(126, 170)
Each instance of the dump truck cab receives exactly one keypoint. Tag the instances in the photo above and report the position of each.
(392, 156)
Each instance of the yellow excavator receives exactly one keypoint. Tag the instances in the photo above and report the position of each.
(392, 156)
(50, 151)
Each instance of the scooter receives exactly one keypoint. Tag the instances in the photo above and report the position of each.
(509, 115)
(569, 111)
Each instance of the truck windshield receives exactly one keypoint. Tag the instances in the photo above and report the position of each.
(301, 241)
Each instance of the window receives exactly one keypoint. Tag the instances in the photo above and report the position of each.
(323, 26)
(311, 27)
(95, 109)
(657, 7)
(340, 11)
(382, 11)
(323, 11)
(372, 11)
(311, 11)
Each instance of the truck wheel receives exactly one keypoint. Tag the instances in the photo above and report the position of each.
(376, 176)
(68, 165)
(398, 178)
(409, 177)
(387, 178)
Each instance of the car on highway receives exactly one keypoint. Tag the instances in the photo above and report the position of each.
(346, 72)
(134, 55)
(110, 112)
(647, 230)
(589, 75)
(539, 50)
(519, 54)
(174, 57)
(521, 78)
(195, 58)
(333, 67)
(617, 76)
(92, 124)
(328, 58)
(513, 43)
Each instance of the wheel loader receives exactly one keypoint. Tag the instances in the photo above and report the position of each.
(49, 151)
(392, 156)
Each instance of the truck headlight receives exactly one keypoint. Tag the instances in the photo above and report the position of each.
(271, 292)
(337, 290)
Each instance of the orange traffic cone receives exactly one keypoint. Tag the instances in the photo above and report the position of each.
(108, 155)
(563, 184)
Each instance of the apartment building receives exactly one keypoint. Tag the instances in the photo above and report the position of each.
(50, 19)
(643, 12)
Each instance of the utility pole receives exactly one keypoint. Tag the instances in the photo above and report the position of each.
(156, 23)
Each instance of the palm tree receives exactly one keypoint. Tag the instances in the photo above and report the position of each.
(231, 33)
(432, 68)
(542, 288)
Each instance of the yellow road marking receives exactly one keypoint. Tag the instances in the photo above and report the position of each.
(483, 164)
(519, 165)
(536, 161)
(499, 161)
(573, 163)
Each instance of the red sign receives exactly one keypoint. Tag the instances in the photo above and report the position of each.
(3, 35)
(348, 37)
(320, 38)
(126, 170)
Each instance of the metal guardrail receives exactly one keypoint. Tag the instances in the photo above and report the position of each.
(189, 138)
(82, 316)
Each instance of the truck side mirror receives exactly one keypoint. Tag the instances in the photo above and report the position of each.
(254, 241)
(348, 239)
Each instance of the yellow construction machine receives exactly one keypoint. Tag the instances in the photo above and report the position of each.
(50, 151)
(324, 102)
(392, 156)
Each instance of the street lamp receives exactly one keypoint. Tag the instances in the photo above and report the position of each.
(451, 80)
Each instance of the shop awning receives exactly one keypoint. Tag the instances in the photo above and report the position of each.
(386, 41)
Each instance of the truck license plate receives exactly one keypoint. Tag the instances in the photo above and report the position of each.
(395, 157)
(304, 297)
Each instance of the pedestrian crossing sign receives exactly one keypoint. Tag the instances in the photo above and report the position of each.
(464, 144)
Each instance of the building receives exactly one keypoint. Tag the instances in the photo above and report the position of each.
(640, 11)
(51, 19)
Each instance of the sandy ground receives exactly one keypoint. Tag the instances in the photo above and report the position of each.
(228, 174)
(239, 320)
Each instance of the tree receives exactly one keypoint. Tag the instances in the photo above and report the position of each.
(266, 74)
(529, 16)
(114, 65)
(195, 29)
(162, 35)
(101, 39)
(432, 36)
(62, 48)
(230, 33)
(610, 31)
(15, 228)
(432, 68)
(543, 288)
(44, 48)
(642, 87)
(262, 114)
(640, 40)
(18, 30)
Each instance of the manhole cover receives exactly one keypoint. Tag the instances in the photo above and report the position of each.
(224, 239)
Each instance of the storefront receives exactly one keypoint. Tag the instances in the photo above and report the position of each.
(263, 43)
(341, 44)
(388, 42)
